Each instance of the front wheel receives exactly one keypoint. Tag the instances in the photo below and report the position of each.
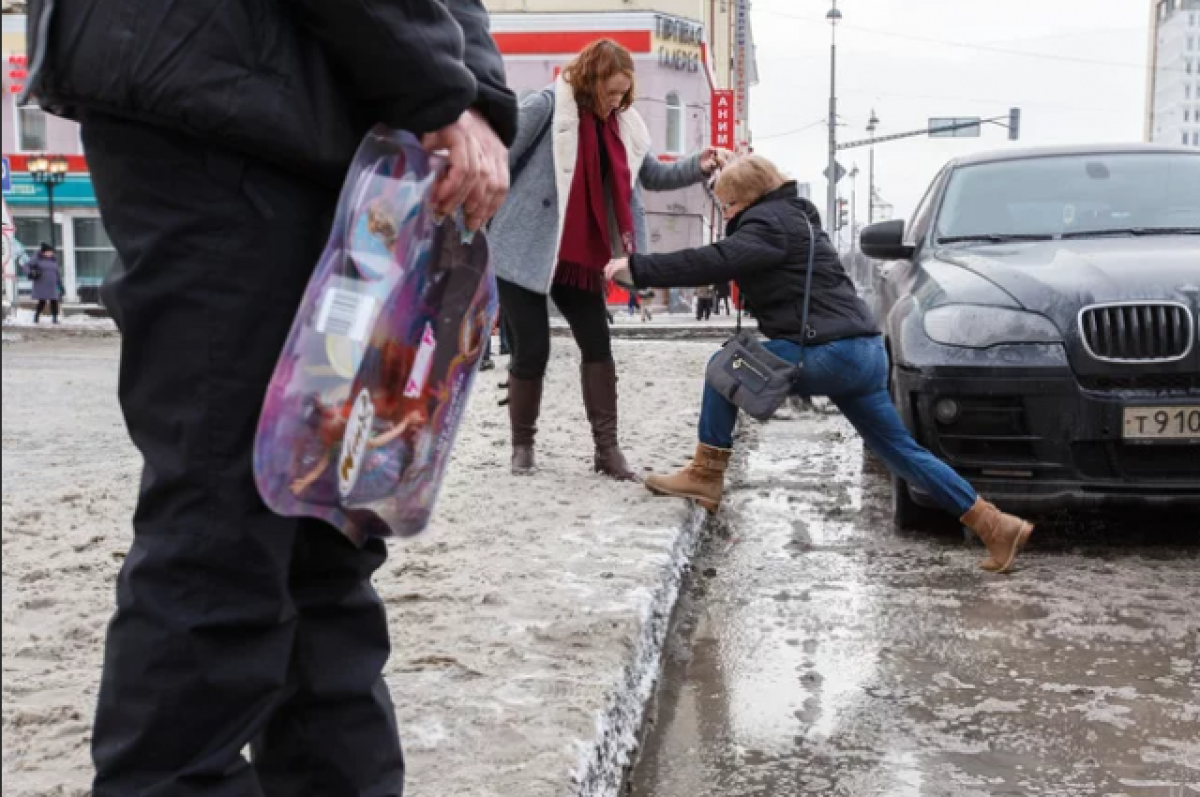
(908, 515)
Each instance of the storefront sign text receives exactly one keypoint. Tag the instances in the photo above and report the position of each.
(679, 31)
(678, 44)
(722, 118)
(679, 59)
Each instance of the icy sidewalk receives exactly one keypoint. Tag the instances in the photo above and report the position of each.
(526, 624)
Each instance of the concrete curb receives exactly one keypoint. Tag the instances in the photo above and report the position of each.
(604, 764)
(631, 332)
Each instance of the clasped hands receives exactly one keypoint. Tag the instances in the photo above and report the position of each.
(618, 271)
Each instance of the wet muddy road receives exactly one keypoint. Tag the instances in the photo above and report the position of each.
(820, 653)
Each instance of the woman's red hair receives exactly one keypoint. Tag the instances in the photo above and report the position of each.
(595, 64)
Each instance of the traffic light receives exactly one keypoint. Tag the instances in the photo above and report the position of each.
(843, 217)
(1014, 124)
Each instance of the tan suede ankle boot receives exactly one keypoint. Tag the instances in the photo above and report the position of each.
(1004, 535)
(703, 481)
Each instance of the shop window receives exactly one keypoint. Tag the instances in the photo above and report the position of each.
(94, 257)
(675, 124)
(31, 130)
(33, 231)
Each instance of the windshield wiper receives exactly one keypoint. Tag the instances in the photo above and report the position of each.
(1134, 231)
(994, 237)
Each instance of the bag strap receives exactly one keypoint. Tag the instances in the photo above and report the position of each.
(812, 258)
(528, 154)
(531, 150)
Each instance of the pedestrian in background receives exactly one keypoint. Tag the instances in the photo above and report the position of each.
(646, 299)
(704, 302)
(634, 305)
(724, 293)
(46, 276)
(772, 231)
(218, 137)
(582, 154)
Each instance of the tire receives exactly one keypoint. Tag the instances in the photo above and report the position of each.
(908, 515)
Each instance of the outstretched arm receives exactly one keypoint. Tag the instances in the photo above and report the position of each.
(657, 175)
(755, 246)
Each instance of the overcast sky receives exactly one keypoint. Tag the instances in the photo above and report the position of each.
(913, 59)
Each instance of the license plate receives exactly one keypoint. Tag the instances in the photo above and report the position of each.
(1162, 424)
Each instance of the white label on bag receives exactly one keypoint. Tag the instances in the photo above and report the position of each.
(422, 366)
(354, 444)
(346, 313)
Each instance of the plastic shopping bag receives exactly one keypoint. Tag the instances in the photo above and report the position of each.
(361, 414)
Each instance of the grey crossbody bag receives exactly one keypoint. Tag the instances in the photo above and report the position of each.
(749, 375)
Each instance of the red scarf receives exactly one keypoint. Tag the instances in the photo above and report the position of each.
(586, 245)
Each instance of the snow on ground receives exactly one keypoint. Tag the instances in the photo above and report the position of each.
(23, 319)
(522, 622)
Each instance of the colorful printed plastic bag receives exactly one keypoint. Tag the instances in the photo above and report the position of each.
(361, 414)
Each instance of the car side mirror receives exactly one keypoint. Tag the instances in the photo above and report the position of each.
(885, 241)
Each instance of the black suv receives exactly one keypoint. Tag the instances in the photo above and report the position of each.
(1041, 313)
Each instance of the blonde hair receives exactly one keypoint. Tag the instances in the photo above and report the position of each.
(595, 64)
(748, 179)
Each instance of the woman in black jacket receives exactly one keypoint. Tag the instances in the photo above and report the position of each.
(770, 231)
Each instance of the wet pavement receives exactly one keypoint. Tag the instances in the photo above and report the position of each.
(818, 652)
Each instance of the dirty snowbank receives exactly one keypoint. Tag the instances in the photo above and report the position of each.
(525, 624)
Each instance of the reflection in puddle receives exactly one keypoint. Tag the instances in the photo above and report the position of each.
(830, 656)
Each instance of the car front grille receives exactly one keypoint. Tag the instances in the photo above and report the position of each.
(1181, 383)
(1114, 460)
(1138, 332)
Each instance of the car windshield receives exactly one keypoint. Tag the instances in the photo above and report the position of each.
(1072, 196)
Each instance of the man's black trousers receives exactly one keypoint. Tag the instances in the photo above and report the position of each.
(234, 626)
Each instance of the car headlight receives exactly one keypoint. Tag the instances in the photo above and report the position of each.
(978, 327)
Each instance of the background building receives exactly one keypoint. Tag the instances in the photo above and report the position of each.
(728, 34)
(685, 52)
(85, 252)
(1173, 95)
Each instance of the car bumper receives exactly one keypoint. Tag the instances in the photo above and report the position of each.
(1039, 441)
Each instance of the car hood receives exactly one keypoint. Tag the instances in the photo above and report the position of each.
(1056, 278)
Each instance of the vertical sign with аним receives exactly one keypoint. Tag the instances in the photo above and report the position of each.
(722, 118)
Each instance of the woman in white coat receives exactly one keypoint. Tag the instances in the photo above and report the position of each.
(581, 156)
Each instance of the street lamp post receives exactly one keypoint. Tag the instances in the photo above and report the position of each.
(49, 171)
(853, 175)
(834, 16)
(872, 126)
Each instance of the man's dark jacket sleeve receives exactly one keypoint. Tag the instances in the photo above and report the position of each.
(294, 82)
(401, 60)
(755, 246)
(492, 97)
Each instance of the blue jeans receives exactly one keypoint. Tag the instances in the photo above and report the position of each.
(853, 373)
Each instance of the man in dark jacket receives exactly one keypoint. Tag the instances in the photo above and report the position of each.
(218, 135)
